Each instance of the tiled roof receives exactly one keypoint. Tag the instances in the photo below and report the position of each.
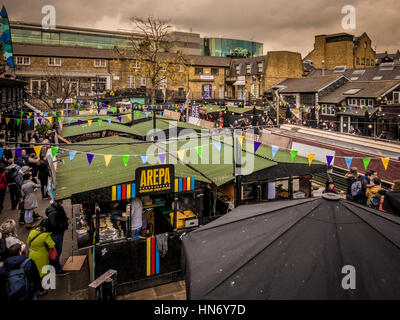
(368, 75)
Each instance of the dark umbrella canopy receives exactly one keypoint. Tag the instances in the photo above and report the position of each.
(295, 250)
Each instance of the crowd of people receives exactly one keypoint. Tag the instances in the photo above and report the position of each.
(367, 190)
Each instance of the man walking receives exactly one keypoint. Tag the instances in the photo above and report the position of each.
(57, 224)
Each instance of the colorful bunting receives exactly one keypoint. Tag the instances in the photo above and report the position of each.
(109, 121)
(37, 150)
(217, 144)
(99, 122)
(144, 158)
(366, 162)
(256, 145)
(199, 151)
(18, 152)
(348, 161)
(40, 120)
(329, 160)
(69, 121)
(53, 151)
(162, 157)
(293, 154)
(50, 119)
(28, 121)
(7, 120)
(385, 162)
(107, 159)
(72, 154)
(18, 121)
(181, 154)
(79, 122)
(1, 152)
(274, 151)
(310, 158)
(119, 118)
(125, 159)
(90, 122)
(90, 157)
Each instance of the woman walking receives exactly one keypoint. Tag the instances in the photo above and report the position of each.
(30, 202)
(44, 175)
(40, 242)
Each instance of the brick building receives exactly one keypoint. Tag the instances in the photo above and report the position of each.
(342, 49)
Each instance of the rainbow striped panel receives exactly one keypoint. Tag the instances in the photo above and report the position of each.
(192, 183)
(119, 191)
(188, 183)
(128, 191)
(152, 257)
(114, 193)
(133, 189)
(176, 185)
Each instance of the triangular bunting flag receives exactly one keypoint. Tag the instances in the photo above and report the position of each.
(18, 121)
(90, 122)
(7, 120)
(129, 116)
(199, 151)
(18, 152)
(1, 152)
(79, 122)
(40, 120)
(240, 138)
(53, 151)
(181, 155)
(90, 157)
(72, 154)
(99, 122)
(119, 119)
(274, 151)
(37, 150)
(109, 121)
(217, 144)
(162, 157)
(54, 113)
(30, 114)
(293, 154)
(28, 121)
(366, 162)
(257, 144)
(310, 158)
(22, 113)
(329, 160)
(69, 121)
(107, 159)
(62, 112)
(144, 158)
(125, 159)
(348, 161)
(59, 119)
(50, 119)
(385, 162)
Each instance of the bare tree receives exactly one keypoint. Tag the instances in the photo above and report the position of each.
(150, 55)
(54, 90)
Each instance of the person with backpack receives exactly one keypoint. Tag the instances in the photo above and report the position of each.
(373, 194)
(58, 222)
(44, 174)
(350, 177)
(30, 202)
(19, 277)
(11, 174)
(40, 242)
(3, 185)
(9, 235)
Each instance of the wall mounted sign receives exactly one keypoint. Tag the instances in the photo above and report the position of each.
(155, 179)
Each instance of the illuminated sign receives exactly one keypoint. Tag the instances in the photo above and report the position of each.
(155, 179)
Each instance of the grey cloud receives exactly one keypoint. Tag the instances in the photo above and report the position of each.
(280, 25)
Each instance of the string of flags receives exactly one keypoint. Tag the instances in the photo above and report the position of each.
(216, 144)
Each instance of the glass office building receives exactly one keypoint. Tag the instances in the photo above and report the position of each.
(219, 47)
(63, 38)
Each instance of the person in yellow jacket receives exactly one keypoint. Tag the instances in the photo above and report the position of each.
(40, 242)
(372, 193)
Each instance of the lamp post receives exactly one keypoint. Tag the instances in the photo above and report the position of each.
(275, 90)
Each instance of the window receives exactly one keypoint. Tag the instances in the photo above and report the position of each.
(328, 110)
(198, 71)
(353, 102)
(362, 61)
(131, 82)
(362, 102)
(180, 68)
(367, 61)
(55, 62)
(163, 83)
(396, 97)
(358, 61)
(100, 63)
(237, 69)
(248, 68)
(39, 87)
(142, 81)
(214, 71)
(99, 85)
(260, 67)
(370, 102)
(23, 61)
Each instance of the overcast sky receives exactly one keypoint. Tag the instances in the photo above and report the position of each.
(279, 24)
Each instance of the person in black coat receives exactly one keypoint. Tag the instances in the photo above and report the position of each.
(16, 258)
(57, 224)
(44, 174)
(391, 202)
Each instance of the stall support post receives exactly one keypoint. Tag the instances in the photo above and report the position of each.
(290, 187)
(201, 207)
(132, 115)
(258, 192)
(175, 212)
